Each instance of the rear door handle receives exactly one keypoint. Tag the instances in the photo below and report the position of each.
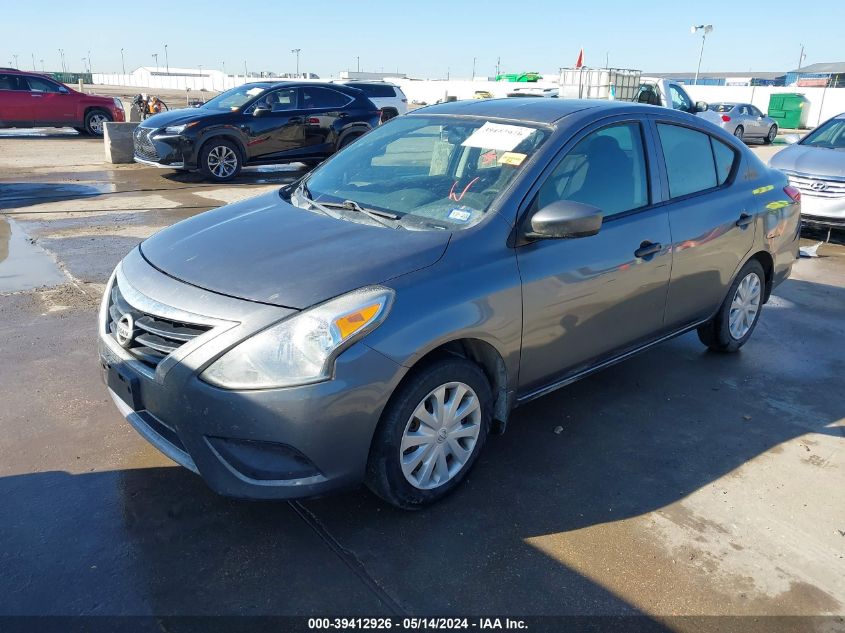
(648, 248)
(744, 220)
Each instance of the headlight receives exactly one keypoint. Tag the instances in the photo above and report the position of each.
(301, 349)
(178, 129)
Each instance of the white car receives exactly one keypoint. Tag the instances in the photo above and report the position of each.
(667, 93)
(387, 97)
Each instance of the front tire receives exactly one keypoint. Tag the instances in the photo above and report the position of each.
(735, 321)
(430, 433)
(95, 121)
(770, 137)
(348, 139)
(220, 160)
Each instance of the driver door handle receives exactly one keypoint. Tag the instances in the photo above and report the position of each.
(648, 248)
(744, 220)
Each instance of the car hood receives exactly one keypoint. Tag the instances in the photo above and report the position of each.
(818, 161)
(266, 250)
(176, 117)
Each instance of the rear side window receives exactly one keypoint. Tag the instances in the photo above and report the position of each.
(323, 98)
(376, 90)
(12, 82)
(695, 161)
(606, 169)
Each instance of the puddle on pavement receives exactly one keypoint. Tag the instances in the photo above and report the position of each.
(24, 265)
(38, 131)
(16, 194)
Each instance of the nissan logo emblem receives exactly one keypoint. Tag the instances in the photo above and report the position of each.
(818, 186)
(125, 331)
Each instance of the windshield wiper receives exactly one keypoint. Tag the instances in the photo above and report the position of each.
(316, 205)
(376, 214)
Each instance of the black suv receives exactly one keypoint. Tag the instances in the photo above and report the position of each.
(257, 123)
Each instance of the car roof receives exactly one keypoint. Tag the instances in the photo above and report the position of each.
(299, 84)
(547, 111)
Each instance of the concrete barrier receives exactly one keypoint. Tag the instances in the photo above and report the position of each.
(118, 142)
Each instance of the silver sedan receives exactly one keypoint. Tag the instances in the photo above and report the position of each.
(743, 120)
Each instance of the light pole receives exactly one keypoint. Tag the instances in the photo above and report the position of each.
(166, 60)
(16, 59)
(155, 56)
(62, 55)
(33, 62)
(90, 70)
(296, 52)
(358, 63)
(122, 62)
(705, 29)
(473, 68)
(801, 57)
(42, 66)
(245, 71)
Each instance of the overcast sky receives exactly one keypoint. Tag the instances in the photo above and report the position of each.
(423, 38)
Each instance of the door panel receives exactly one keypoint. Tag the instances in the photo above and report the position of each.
(14, 101)
(585, 299)
(704, 209)
(277, 131)
(591, 298)
(49, 105)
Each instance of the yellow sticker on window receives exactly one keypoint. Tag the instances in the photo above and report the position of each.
(512, 158)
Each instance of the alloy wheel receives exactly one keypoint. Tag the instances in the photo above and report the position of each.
(96, 122)
(222, 161)
(745, 305)
(772, 134)
(440, 435)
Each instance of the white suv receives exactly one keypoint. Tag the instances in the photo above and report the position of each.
(388, 98)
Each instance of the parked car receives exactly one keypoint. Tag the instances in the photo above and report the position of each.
(743, 120)
(482, 94)
(815, 165)
(549, 93)
(374, 320)
(669, 94)
(256, 123)
(36, 100)
(388, 97)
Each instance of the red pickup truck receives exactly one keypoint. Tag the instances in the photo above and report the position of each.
(36, 100)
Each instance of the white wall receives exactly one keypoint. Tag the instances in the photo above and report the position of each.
(824, 102)
(432, 90)
(215, 81)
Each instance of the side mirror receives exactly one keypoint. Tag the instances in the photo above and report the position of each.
(260, 110)
(700, 106)
(565, 218)
(64, 90)
(791, 139)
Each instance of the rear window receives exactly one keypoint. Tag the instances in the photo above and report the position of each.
(12, 82)
(323, 98)
(376, 90)
(721, 107)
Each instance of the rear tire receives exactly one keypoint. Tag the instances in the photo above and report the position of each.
(220, 160)
(770, 137)
(739, 132)
(439, 447)
(95, 122)
(349, 138)
(736, 319)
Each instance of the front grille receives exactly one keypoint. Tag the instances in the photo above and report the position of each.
(152, 337)
(819, 186)
(144, 147)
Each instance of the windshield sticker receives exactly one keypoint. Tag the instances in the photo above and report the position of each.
(512, 158)
(254, 91)
(488, 159)
(498, 136)
(460, 215)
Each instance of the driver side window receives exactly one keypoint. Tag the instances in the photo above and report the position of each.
(279, 100)
(679, 100)
(36, 84)
(606, 169)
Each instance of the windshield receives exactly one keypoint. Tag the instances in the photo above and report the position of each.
(236, 97)
(426, 172)
(830, 135)
(721, 107)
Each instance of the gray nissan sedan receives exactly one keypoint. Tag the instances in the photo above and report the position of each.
(376, 320)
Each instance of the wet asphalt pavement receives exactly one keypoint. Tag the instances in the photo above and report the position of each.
(680, 482)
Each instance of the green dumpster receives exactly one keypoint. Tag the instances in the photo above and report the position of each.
(789, 109)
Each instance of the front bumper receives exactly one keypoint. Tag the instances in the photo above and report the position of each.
(822, 211)
(155, 148)
(274, 443)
